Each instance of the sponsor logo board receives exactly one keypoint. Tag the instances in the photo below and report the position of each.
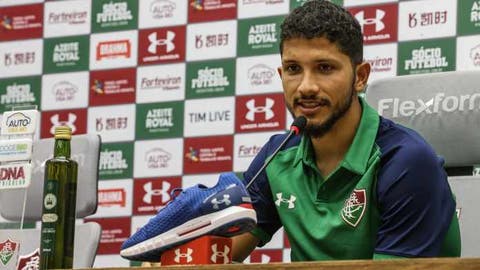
(468, 53)
(258, 74)
(65, 91)
(114, 15)
(260, 113)
(159, 120)
(21, 58)
(208, 154)
(114, 198)
(115, 231)
(21, 22)
(76, 119)
(109, 87)
(15, 175)
(113, 123)
(210, 79)
(116, 161)
(154, 158)
(468, 17)
(66, 54)
(67, 18)
(259, 36)
(152, 194)
(215, 119)
(211, 40)
(19, 92)
(426, 56)
(158, 13)
(262, 8)
(113, 50)
(161, 45)
(211, 10)
(378, 23)
(382, 59)
(15, 149)
(161, 83)
(246, 147)
(19, 122)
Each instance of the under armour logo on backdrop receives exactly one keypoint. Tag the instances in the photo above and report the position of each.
(379, 25)
(150, 192)
(290, 201)
(154, 42)
(267, 109)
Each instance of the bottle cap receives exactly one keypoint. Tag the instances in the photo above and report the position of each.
(63, 132)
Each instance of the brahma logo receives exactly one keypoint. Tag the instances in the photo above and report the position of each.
(8, 249)
(438, 104)
(17, 93)
(113, 49)
(162, 9)
(260, 74)
(112, 197)
(15, 176)
(354, 207)
(64, 91)
(475, 55)
(155, 42)
(157, 158)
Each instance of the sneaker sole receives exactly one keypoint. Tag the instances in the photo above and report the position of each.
(217, 223)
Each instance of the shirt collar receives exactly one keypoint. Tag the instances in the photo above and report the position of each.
(358, 154)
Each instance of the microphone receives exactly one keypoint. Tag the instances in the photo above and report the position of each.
(297, 126)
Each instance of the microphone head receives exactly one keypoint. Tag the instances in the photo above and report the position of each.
(298, 124)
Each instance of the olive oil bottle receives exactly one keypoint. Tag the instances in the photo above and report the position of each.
(59, 201)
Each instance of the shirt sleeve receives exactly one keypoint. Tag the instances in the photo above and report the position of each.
(268, 221)
(415, 203)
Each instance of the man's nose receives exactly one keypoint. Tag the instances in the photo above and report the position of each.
(309, 84)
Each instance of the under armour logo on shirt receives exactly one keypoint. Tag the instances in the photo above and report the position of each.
(290, 201)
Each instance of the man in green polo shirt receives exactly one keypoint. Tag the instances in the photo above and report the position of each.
(355, 185)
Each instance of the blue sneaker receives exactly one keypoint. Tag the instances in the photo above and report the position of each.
(222, 210)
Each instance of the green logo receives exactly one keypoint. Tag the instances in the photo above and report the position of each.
(114, 15)
(297, 3)
(66, 54)
(159, 120)
(116, 161)
(210, 79)
(426, 56)
(258, 36)
(468, 17)
(18, 92)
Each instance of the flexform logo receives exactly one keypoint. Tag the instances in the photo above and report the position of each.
(440, 103)
(112, 197)
(162, 9)
(157, 158)
(379, 23)
(113, 49)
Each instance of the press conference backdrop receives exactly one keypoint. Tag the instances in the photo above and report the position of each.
(183, 90)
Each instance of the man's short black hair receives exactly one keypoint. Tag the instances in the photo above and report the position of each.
(320, 18)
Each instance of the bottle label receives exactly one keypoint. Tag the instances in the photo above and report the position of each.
(49, 217)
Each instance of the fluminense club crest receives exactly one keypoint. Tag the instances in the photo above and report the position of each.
(7, 250)
(354, 207)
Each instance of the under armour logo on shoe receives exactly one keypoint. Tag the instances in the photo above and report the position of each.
(216, 254)
(267, 109)
(280, 200)
(154, 42)
(187, 255)
(379, 25)
(225, 200)
(149, 192)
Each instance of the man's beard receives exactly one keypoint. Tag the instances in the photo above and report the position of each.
(319, 130)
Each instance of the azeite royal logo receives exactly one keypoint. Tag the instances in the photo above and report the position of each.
(258, 36)
(66, 54)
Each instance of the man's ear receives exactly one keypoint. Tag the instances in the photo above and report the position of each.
(362, 72)
(279, 70)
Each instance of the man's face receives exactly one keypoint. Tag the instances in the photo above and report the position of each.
(318, 82)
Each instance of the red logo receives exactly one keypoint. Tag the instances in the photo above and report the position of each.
(109, 87)
(75, 119)
(152, 194)
(161, 45)
(208, 154)
(379, 23)
(114, 49)
(260, 113)
(211, 10)
(21, 22)
(8, 252)
(266, 256)
(114, 232)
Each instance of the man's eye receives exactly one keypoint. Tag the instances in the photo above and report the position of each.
(292, 68)
(325, 68)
